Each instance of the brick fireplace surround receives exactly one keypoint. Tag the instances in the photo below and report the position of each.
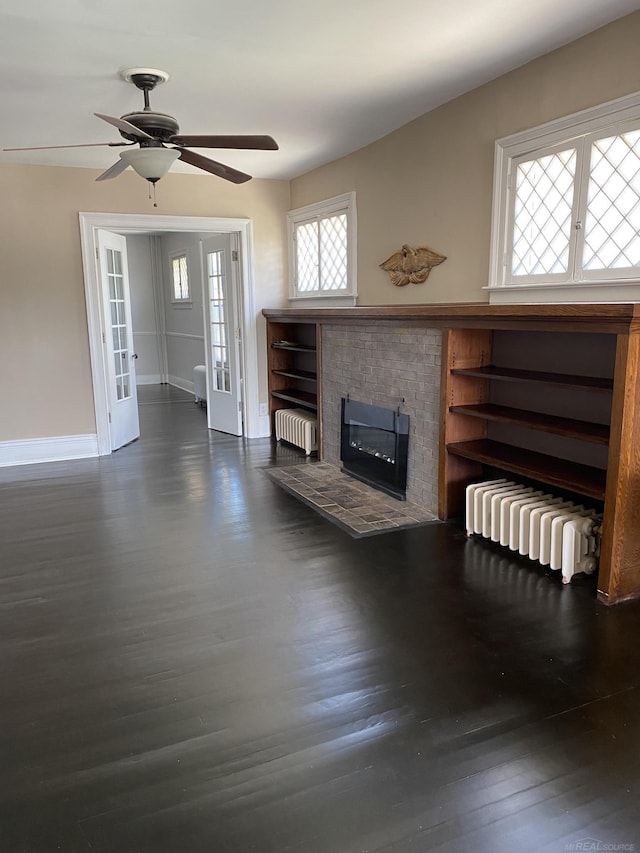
(387, 365)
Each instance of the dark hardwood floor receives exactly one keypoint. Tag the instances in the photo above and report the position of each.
(192, 660)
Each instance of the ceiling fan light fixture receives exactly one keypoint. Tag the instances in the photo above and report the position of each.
(150, 163)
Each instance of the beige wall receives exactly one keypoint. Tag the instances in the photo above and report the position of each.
(430, 183)
(45, 384)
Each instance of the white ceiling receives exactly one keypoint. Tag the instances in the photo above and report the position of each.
(324, 78)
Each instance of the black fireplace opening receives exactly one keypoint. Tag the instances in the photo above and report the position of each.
(374, 446)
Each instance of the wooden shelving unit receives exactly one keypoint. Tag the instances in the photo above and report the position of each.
(293, 363)
(468, 450)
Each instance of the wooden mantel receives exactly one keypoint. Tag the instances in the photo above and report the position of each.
(613, 318)
(467, 330)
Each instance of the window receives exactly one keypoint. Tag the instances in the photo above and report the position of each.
(180, 278)
(567, 203)
(322, 250)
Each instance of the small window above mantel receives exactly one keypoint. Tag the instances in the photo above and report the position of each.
(322, 252)
(566, 209)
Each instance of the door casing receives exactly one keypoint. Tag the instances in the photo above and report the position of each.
(124, 223)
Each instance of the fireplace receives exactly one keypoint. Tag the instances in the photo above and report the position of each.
(374, 446)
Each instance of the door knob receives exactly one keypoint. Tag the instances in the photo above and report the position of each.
(134, 355)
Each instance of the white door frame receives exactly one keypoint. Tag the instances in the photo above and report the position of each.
(125, 223)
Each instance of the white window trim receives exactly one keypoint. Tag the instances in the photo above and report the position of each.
(345, 203)
(606, 287)
(172, 257)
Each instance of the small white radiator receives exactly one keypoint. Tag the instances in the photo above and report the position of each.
(297, 427)
(200, 383)
(555, 532)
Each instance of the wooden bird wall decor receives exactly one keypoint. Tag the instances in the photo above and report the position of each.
(411, 266)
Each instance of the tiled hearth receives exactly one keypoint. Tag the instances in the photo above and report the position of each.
(357, 508)
(387, 365)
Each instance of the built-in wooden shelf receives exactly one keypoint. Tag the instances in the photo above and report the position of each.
(562, 380)
(294, 364)
(583, 479)
(476, 397)
(294, 373)
(568, 427)
(293, 395)
(291, 347)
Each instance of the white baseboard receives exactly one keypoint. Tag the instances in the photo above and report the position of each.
(182, 383)
(149, 379)
(56, 449)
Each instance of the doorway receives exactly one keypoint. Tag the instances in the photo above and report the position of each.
(186, 319)
(243, 336)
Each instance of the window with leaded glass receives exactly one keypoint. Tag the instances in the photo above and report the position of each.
(322, 249)
(612, 209)
(567, 200)
(543, 205)
(180, 278)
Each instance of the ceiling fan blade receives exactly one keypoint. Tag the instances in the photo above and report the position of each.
(262, 143)
(125, 126)
(212, 166)
(81, 145)
(113, 171)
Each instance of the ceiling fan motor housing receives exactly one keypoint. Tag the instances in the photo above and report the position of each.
(159, 125)
(162, 127)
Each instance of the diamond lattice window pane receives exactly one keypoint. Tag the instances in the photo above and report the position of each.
(321, 254)
(542, 214)
(307, 257)
(613, 204)
(333, 253)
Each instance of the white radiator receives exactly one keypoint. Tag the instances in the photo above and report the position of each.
(557, 533)
(297, 427)
(200, 383)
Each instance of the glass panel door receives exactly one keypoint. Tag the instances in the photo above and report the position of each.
(222, 332)
(118, 339)
(218, 314)
(119, 332)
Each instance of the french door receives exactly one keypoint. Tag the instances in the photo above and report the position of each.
(222, 335)
(118, 339)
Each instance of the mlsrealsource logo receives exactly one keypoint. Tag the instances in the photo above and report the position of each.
(592, 845)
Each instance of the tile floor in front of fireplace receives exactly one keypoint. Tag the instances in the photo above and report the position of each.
(356, 507)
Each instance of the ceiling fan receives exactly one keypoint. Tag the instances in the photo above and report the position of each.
(160, 142)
